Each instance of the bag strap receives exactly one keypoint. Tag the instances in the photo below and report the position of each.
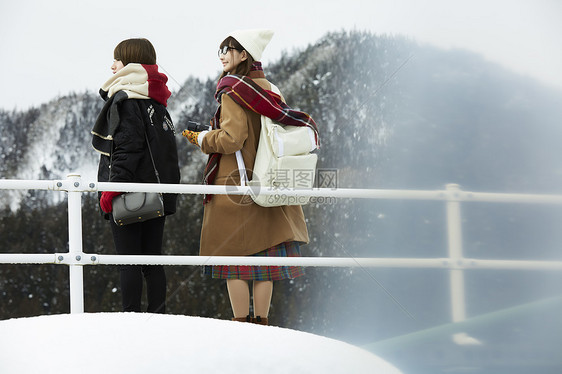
(151, 157)
(241, 168)
(240, 159)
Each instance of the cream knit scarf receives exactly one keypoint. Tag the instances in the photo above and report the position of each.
(132, 79)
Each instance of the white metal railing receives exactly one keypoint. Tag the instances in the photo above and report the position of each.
(452, 196)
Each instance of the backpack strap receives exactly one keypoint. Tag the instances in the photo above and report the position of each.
(240, 160)
(241, 168)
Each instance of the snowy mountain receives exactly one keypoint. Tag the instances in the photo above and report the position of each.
(48, 142)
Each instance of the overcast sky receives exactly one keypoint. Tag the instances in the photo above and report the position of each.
(51, 48)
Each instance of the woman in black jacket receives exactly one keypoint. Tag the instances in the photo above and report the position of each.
(134, 113)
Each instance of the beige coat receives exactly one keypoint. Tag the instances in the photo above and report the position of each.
(235, 225)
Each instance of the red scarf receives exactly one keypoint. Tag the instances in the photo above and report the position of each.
(249, 95)
(157, 88)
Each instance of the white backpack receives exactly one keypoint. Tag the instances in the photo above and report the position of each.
(283, 162)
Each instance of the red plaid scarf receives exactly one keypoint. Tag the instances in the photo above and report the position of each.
(248, 94)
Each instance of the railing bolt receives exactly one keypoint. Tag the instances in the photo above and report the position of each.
(76, 184)
(60, 258)
(78, 258)
(59, 184)
(92, 185)
(93, 258)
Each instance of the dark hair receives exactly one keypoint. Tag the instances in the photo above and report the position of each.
(137, 50)
(243, 67)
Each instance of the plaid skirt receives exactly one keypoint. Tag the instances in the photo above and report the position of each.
(261, 273)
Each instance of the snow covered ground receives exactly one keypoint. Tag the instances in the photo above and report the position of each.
(151, 343)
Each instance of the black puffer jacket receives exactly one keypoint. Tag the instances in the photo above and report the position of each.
(130, 157)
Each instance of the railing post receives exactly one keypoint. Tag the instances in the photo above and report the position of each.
(76, 271)
(454, 231)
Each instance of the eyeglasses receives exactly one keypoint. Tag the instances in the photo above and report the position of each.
(224, 50)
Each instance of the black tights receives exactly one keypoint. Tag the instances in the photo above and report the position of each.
(143, 238)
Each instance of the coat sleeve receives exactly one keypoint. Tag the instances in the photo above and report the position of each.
(233, 130)
(128, 143)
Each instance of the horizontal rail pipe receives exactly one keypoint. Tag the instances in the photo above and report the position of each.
(28, 258)
(269, 261)
(438, 195)
(428, 263)
(511, 264)
(329, 262)
(21, 184)
(250, 190)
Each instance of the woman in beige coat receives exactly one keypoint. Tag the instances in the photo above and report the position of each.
(234, 225)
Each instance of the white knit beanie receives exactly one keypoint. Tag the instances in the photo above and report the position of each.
(254, 41)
